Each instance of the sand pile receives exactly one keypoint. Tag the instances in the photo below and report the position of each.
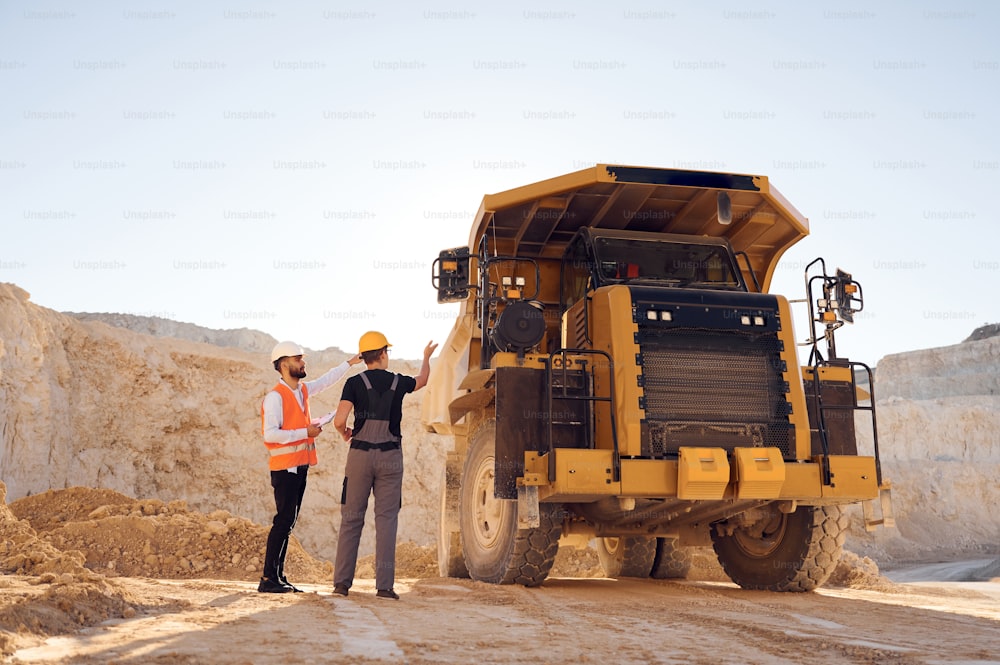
(153, 538)
(22, 552)
(64, 596)
(68, 545)
(855, 572)
(103, 531)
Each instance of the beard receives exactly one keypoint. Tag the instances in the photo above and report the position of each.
(297, 373)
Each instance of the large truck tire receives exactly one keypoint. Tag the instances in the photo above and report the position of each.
(627, 556)
(672, 562)
(795, 551)
(495, 550)
(451, 562)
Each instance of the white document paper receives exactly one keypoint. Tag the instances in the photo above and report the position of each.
(324, 419)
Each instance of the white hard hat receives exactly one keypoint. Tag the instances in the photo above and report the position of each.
(282, 349)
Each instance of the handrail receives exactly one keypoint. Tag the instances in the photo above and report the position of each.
(551, 365)
(854, 406)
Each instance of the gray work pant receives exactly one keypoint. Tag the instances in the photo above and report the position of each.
(378, 472)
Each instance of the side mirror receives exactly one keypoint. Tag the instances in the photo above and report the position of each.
(847, 293)
(450, 274)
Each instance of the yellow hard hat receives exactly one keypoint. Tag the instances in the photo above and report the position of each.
(282, 349)
(372, 341)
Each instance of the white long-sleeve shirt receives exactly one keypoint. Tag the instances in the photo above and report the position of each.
(273, 410)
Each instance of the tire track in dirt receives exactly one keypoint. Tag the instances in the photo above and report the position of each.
(362, 634)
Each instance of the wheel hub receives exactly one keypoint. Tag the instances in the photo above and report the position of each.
(762, 537)
(487, 510)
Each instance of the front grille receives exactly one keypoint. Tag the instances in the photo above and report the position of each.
(713, 388)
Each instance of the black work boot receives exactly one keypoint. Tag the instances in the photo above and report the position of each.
(284, 580)
(267, 585)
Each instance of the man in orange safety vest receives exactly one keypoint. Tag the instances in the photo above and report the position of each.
(289, 434)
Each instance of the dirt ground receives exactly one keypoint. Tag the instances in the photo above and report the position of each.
(566, 620)
(92, 576)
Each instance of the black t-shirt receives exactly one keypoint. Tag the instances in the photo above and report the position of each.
(356, 393)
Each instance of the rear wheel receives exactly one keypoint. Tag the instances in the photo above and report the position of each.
(627, 556)
(495, 550)
(672, 562)
(779, 551)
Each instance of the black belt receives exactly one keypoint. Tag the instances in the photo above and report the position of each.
(364, 445)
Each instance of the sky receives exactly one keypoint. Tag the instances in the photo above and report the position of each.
(296, 167)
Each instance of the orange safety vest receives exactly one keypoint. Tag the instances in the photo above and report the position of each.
(286, 455)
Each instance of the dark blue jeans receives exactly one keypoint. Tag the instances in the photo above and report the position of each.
(289, 488)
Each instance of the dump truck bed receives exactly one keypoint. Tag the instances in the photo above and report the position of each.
(538, 220)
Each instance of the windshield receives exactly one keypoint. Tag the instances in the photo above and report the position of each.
(674, 263)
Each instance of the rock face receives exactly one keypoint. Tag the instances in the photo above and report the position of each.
(83, 403)
(938, 416)
(241, 338)
(175, 416)
(982, 332)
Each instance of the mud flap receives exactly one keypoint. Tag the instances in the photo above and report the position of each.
(520, 414)
(527, 507)
(885, 503)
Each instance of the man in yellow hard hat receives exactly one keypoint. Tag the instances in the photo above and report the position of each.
(289, 434)
(374, 462)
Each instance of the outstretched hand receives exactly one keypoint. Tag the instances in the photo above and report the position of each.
(425, 367)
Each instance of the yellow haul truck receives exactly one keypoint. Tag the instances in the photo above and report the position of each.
(619, 371)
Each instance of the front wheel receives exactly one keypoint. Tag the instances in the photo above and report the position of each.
(778, 551)
(495, 550)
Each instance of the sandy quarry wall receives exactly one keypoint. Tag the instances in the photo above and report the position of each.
(84, 403)
(938, 414)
